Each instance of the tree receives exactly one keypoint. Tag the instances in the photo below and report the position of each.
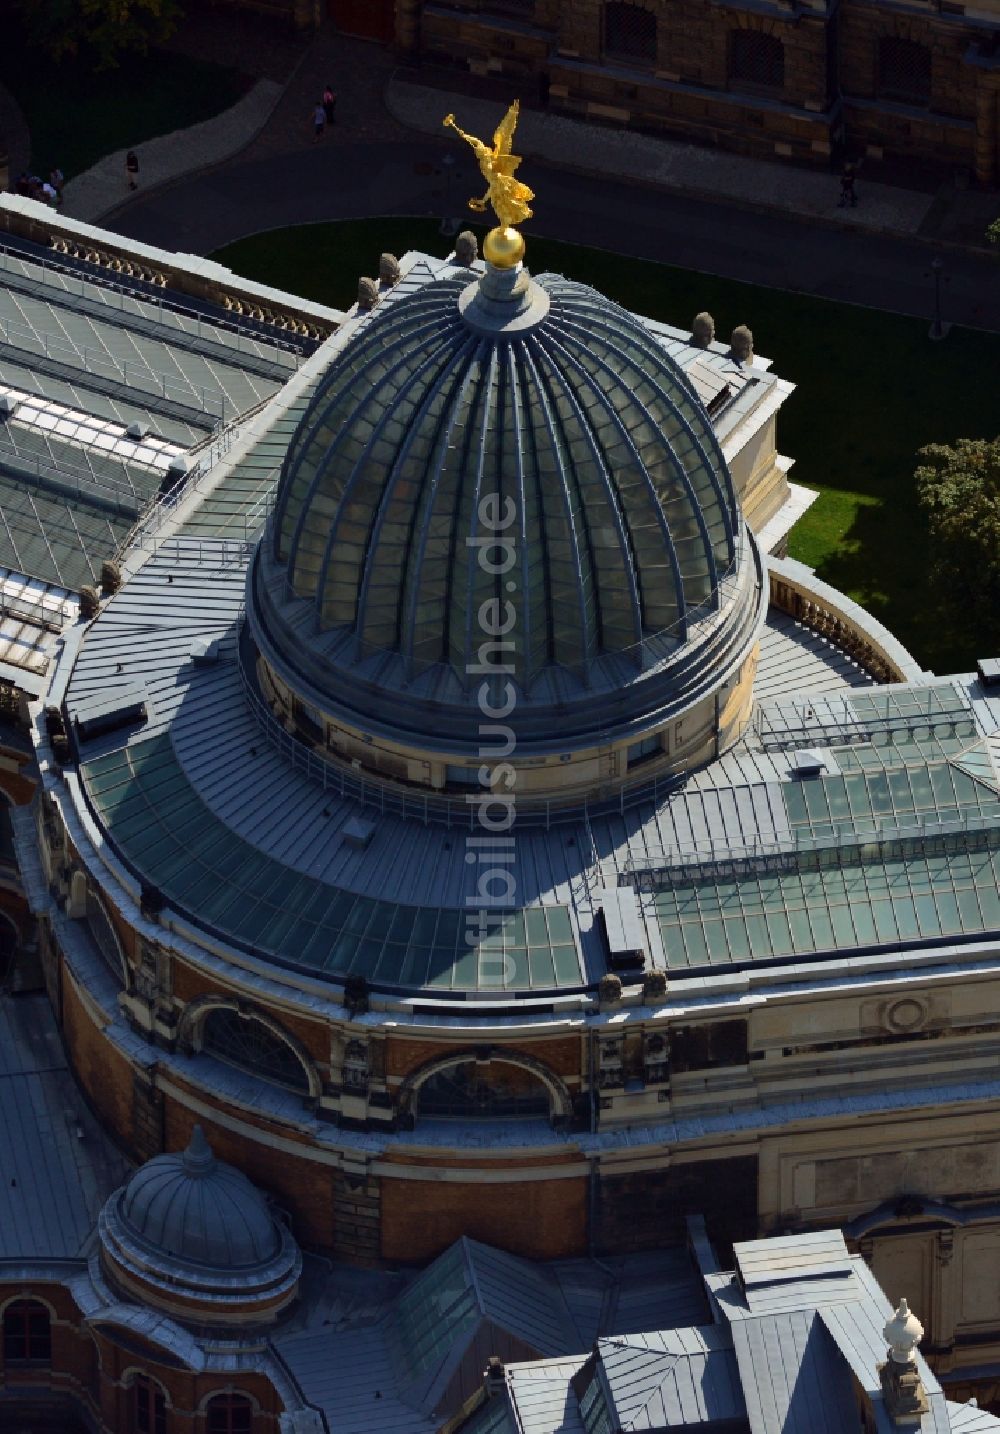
(100, 30)
(958, 488)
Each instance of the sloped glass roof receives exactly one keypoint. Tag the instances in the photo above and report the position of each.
(798, 913)
(165, 832)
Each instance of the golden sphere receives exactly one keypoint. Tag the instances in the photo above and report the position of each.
(503, 248)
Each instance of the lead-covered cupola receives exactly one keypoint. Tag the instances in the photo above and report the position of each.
(505, 486)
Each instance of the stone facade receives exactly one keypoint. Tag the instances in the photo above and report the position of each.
(814, 83)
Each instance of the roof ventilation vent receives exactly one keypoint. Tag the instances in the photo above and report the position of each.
(205, 650)
(987, 667)
(807, 762)
(137, 430)
(623, 928)
(8, 406)
(358, 832)
(122, 707)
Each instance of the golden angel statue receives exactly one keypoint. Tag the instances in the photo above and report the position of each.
(508, 196)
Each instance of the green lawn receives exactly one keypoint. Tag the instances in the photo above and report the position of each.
(871, 390)
(77, 116)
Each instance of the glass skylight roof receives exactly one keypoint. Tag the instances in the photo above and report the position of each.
(799, 913)
(168, 834)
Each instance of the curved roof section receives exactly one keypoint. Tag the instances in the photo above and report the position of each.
(546, 415)
(197, 1210)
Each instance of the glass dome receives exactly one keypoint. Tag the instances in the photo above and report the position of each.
(505, 483)
(576, 439)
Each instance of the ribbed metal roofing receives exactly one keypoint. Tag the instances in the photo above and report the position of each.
(568, 425)
(195, 1209)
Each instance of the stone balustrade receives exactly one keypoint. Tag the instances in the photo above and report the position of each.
(796, 590)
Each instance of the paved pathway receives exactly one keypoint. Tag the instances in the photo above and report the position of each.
(768, 224)
(102, 188)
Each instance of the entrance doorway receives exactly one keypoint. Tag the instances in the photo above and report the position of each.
(368, 19)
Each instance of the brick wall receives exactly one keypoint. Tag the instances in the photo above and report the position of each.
(105, 1075)
(543, 1219)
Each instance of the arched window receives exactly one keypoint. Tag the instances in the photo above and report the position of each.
(756, 60)
(904, 70)
(105, 936)
(27, 1333)
(149, 1406)
(229, 1414)
(252, 1046)
(629, 31)
(477, 1091)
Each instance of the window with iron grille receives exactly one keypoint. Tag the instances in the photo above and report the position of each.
(756, 60)
(904, 70)
(27, 1333)
(229, 1414)
(149, 1406)
(251, 1046)
(629, 31)
(483, 1092)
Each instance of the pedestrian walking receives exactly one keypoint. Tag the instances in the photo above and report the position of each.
(57, 179)
(49, 194)
(319, 122)
(132, 169)
(329, 105)
(847, 194)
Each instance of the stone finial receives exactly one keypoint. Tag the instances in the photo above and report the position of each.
(741, 344)
(198, 1158)
(902, 1388)
(466, 248)
(368, 294)
(654, 984)
(609, 989)
(111, 577)
(703, 330)
(388, 269)
(495, 1376)
(902, 1334)
(89, 603)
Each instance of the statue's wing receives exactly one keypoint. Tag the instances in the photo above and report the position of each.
(504, 136)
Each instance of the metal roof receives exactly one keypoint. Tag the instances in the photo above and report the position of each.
(58, 1166)
(793, 1379)
(669, 1379)
(86, 355)
(744, 863)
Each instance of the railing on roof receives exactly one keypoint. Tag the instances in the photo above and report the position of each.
(391, 799)
(813, 723)
(133, 288)
(861, 844)
(134, 377)
(38, 614)
(147, 536)
(81, 482)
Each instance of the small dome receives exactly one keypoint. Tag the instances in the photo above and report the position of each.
(194, 1209)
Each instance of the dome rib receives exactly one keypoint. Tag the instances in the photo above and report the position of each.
(375, 556)
(602, 565)
(683, 478)
(371, 356)
(330, 577)
(571, 559)
(445, 477)
(707, 467)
